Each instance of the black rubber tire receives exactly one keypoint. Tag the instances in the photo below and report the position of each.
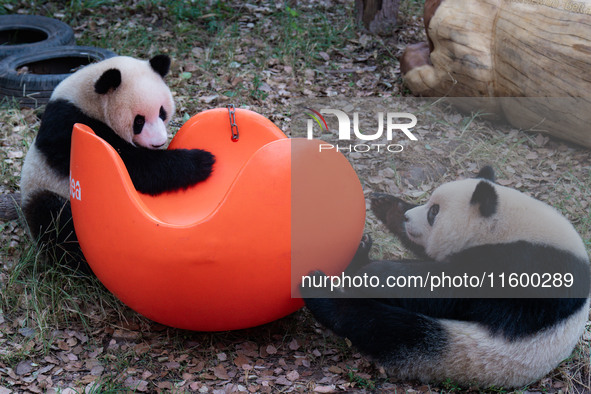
(33, 33)
(47, 68)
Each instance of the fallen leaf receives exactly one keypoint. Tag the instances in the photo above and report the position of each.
(172, 365)
(142, 386)
(208, 99)
(335, 369)
(24, 367)
(241, 360)
(282, 380)
(293, 375)
(197, 51)
(324, 56)
(87, 379)
(141, 348)
(97, 370)
(45, 369)
(294, 345)
(325, 389)
(15, 154)
(188, 376)
(125, 335)
(220, 372)
(27, 332)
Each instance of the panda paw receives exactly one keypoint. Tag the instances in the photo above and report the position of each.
(202, 163)
(322, 302)
(364, 247)
(361, 258)
(314, 288)
(390, 210)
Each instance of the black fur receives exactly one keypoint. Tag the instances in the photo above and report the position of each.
(487, 173)
(386, 332)
(390, 210)
(49, 218)
(361, 258)
(111, 79)
(151, 171)
(486, 198)
(160, 64)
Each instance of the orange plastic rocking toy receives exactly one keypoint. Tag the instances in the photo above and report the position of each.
(226, 253)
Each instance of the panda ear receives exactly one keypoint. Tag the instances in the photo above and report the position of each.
(487, 173)
(486, 198)
(111, 79)
(160, 64)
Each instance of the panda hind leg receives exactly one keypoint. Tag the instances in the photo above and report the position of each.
(49, 217)
(391, 335)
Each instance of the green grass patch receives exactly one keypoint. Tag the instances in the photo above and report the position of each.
(360, 382)
(43, 295)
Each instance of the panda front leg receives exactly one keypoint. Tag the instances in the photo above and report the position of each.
(158, 171)
(49, 218)
(390, 210)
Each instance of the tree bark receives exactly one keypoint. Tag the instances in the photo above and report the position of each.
(9, 204)
(378, 16)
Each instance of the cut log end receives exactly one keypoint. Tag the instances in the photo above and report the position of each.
(415, 55)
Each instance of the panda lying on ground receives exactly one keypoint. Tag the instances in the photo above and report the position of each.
(126, 102)
(506, 342)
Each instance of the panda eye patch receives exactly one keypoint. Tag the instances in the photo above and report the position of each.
(138, 124)
(433, 211)
(162, 113)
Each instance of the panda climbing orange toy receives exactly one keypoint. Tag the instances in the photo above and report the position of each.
(228, 252)
(128, 104)
(213, 233)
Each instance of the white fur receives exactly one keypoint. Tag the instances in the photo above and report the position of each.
(518, 217)
(497, 361)
(37, 175)
(473, 355)
(142, 92)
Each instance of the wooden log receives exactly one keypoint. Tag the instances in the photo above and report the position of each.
(511, 48)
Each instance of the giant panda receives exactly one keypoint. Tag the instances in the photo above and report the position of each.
(507, 342)
(126, 102)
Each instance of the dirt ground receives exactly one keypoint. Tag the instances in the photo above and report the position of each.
(60, 332)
